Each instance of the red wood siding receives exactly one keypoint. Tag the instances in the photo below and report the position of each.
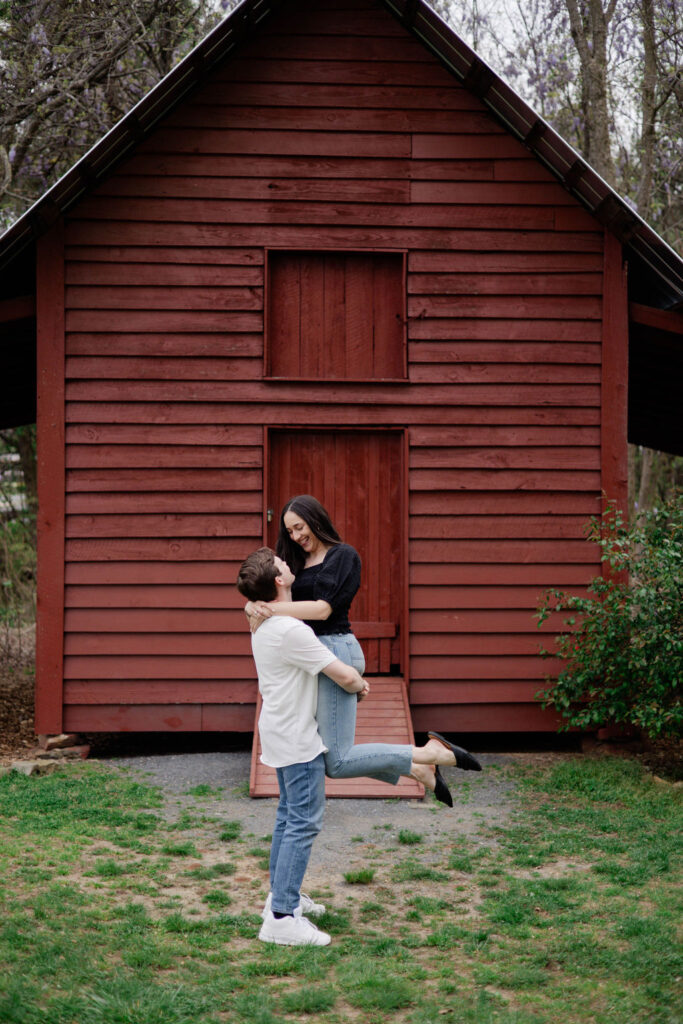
(333, 130)
(335, 316)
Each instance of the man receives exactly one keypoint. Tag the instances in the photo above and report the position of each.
(288, 659)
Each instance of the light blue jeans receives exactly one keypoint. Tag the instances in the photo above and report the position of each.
(298, 820)
(336, 716)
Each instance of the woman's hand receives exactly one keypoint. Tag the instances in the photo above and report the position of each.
(256, 612)
(261, 608)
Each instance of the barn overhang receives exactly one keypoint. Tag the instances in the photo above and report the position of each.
(18, 341)
(655, 374)
(655, 269)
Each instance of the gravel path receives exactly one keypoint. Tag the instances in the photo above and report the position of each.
(482, 800)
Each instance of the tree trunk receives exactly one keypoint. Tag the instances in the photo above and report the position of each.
(648, 112)
(648, 475)
(589, 32)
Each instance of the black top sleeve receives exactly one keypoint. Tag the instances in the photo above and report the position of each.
(339, 577)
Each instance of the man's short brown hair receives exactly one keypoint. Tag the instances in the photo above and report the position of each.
(256, 578)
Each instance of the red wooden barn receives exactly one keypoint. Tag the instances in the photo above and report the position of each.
(331, 252)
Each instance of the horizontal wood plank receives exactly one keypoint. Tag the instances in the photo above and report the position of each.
(289, 189)
(577, 307)
(540, 263)
(297, 95)
(248, 392)
(542, 457)
(224, 346)
(196, 321)
(161, 368)
(496, 478)
(149, 480)
(479, 645)
(468, 597)
(158, 666)
(154, 549)
(168, 644)
(130, 233)
(132, 596)
(134, 274)
(504, 283)
(505, 550)
(174, 456)
(182, 621)
(158, 691)
(508, 666)
(488, 691)
(222, 212)
(301, 166)
(348, 412)
(498, 526)
(503, 436)
(169, 502)
(192, 256)
(559, 573)
(491, 351)
(450, 326)
(164, 434)
(503, 621)
(159, 718)
(333, 118)
(461, 719)
(111, 575)
(491, 373)
(314, 70)
(495, 503)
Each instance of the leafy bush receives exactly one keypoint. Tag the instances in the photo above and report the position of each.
(624, 655)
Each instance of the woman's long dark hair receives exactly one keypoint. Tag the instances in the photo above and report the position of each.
(317, 520)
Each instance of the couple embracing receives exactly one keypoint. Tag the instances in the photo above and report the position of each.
(309, 667)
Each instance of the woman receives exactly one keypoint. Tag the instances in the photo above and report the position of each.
(327, 578)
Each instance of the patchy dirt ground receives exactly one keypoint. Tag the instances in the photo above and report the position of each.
(355, 831)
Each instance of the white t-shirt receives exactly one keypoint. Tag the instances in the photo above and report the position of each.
(288, 658)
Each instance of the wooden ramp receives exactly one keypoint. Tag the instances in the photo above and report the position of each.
(383, 717)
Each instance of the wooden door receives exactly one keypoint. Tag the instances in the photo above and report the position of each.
(357, 476)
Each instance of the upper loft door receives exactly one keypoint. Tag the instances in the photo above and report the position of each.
(357, 476)
(335, 316)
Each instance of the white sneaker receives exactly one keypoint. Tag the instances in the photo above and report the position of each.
(292, 931)
(307, 906)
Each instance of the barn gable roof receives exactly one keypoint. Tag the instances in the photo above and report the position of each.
(656, 270)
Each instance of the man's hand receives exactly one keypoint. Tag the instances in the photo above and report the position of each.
(347, 677)
(364, 692)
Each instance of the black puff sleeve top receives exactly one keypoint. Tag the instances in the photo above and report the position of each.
(336, 580)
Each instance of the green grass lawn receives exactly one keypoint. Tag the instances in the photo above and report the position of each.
(112, 913)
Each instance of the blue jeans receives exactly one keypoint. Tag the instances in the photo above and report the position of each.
(336, 716)
(298, 820)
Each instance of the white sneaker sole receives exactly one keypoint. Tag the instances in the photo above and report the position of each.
(279, 940)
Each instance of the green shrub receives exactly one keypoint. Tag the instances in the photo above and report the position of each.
(624, 656)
